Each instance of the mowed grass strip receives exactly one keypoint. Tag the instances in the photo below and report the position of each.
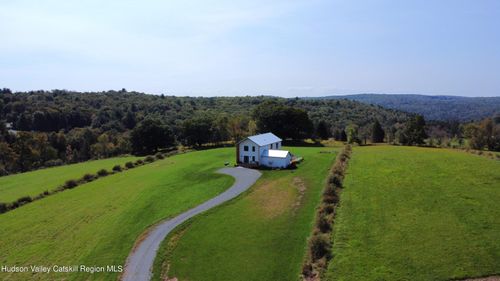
(261, 235)
(33, 183)
(409, 213)
(98, 223)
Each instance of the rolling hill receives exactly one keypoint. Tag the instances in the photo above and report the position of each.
(443, 108)
(98, 223)
(412, 213)
(35, 182)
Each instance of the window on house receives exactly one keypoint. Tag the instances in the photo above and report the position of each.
(245, 148)
(253, 148)
(271, 146)
(253, 158)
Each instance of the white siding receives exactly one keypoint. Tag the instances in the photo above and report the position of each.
(276, 145)
(275, 162)
(255, 156)
(250, 153)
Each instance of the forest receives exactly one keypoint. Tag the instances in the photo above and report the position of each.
(50, 128)
(434, 108)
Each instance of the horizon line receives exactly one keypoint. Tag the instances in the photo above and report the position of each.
(208, 95)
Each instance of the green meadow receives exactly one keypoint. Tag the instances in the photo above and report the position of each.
(406, 213)
(409, 213)
(35, 182)
(98, 223)
(261, 235)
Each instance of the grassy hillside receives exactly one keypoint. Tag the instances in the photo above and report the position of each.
(417, 213)
(33, 183)
(259, 236)
(434, 107)
(97, 223)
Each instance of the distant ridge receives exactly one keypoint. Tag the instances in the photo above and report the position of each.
(443, 108)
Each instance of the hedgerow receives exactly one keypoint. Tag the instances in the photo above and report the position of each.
(320, 243)
(69, 184)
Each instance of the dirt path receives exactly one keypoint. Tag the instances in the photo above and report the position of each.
(140, 261)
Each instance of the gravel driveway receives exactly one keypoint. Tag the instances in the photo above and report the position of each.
(140, 261)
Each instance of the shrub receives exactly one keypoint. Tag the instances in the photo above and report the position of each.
(129, 165)
(319, 246)
(53, 163)
(336, 180)
(326, 209)
(88, 177)
(23, 200)
(307, 269)
(139, 162)
(3, 208)
(171, 153)
(70, 184)
(338, 166)
(330, 190)
(330, 199)
(102, 172)
(149, 159)
(324, 223)
(159, 156)
(117, 168)
(39, 196)
(46, 192)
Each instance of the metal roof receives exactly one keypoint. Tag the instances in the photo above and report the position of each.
(264, 139)
(275, 153)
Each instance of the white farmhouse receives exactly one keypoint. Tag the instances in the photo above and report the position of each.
(262, 150)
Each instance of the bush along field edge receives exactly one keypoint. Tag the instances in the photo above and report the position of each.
(319, 249)
(70, 184)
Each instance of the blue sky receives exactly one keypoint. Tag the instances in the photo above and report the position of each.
(285, 48)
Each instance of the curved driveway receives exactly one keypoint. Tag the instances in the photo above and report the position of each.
(140, 260)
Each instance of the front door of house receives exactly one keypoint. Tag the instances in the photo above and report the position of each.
(245, 159)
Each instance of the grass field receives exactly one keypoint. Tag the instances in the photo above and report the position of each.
(98, 222)
(35, 182)
(410, 213)
(259, 236)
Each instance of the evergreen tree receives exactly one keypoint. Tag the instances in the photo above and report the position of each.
(322, 130)
(343, 135)
(413, 132)
(378, 133)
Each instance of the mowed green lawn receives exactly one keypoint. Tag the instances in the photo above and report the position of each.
(33, 183)
(97, 223)
(411, 213)
(261, 235)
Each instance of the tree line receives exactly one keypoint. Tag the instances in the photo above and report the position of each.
(48, 128)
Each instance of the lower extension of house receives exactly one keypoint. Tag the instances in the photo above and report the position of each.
(262, 150)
